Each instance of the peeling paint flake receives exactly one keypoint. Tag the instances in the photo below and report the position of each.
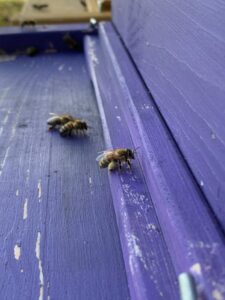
(41, 275)
(17, 252)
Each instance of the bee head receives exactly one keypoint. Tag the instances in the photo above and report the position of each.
(130, 154)
(85, 126)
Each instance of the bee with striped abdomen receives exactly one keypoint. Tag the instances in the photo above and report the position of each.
(57, 121)
(112, 159)
(73, 127)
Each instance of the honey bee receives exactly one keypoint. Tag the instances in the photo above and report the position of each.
(58, 120)
(73, 127)
(112, 159)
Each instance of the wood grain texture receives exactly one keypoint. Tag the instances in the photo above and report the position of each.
(58, 233)
(192, 235)
(60, 11)
(148, 263)
(178, 46)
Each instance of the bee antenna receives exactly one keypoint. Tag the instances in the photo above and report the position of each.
(135, 149)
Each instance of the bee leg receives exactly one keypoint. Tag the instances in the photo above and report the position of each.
(50, 128)
(129, 163)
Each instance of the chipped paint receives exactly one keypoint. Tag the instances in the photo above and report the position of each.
(196, 268)
(39, 190)
(25, 209)
(201, 245)
(217, 295)
(17, 193)
(17, 252)
(134, 253)
(151, 226)
(60, 68)
(4, 160)
(41, 275)
(92, 54)
(4, 121)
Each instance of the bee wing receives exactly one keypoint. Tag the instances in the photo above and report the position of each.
(102, 154)
(53, 114)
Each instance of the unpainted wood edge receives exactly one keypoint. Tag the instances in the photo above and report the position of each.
(59, 19)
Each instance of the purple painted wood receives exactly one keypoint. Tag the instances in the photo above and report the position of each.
(178, 46)
(149, 269)
(194, 239)
(58, 234)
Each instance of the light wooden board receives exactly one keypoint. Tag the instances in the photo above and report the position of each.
(60, 11)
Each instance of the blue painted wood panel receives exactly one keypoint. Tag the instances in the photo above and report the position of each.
(178, 47)
(190, 230)
(150, 272)
(58, 233)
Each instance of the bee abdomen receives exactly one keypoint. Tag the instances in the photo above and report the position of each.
(67, 128)
(104, 162)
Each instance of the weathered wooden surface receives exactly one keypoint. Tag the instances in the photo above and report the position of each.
(178, 47)
(58, 234)
(60, 11)
(148, 263)
(191, 233)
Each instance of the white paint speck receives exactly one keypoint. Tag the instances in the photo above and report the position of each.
(25, 209)
(217, 295)
(21, 270)
(90, 180)
(118, 118)
(41, 275)
(201, 183)
(92, 54)
(17, 193)
(4, 121)
(60, 68)
(196, 268)
(135, 252)
(213, 136)
(151, 226)
(147, 44)
(17, 252)
(116, 107)
(39, 190)
(2, 164)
